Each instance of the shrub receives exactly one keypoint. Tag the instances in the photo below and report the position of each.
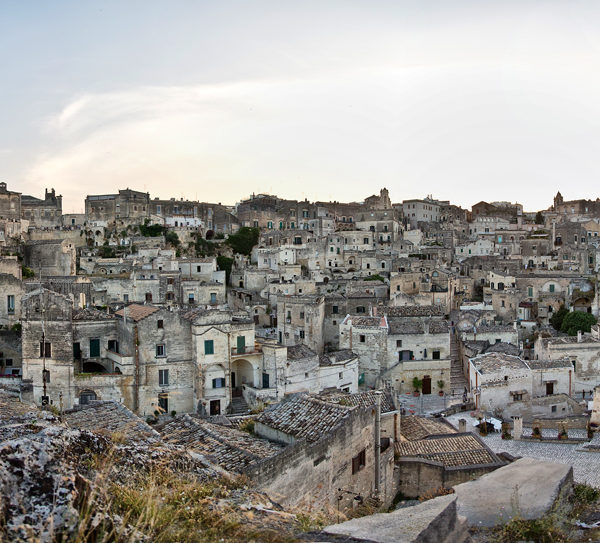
(244, 240)
(577, 320)
(27, 272)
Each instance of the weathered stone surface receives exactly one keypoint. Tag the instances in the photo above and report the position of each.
(432, 521)
(527, 487)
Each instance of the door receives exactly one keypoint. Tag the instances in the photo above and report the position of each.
(215, 407)
(427, 385)
(233, 379)
(94, 348)
(265, 380)
(241, 344)
(163, 402)
(76, 351)
(549, 389)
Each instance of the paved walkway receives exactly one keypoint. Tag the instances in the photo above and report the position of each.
(586, 465)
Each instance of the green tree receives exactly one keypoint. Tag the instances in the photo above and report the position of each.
(27, 272)
(172, 238)
(539, 218)
(105, 251)
(556, 320)
(225, 263)
(244, 240)
(151, 230)
(577, 320)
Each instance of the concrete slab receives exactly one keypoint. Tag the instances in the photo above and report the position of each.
(429, 522)
(527, 487)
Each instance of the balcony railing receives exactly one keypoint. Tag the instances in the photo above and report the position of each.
(235, 351)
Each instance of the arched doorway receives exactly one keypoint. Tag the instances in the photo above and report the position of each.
(242, 373)
(86, 396)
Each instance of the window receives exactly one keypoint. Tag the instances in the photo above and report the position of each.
(191, 297)
(301, 334)
(148, 296)
(209, 346)
(163, 378)
(213, 297)
(362, 338)
(94, 348)
(553, 409)
(335, 309)
(530, 292)
(552, 288)
(160, 350)
(159, 323)
(435, 355)
(341, 375)
(398, 343)
(170, 296)
(126, 298)
(306, 375)
(10, 303)
(170, 281)
(113, 345)
(517, 397)
(45, 349)
(219, 382)
(360, 309)
(8, 362)
(359, 461)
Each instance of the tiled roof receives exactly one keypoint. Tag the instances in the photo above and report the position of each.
(400, 325)
(91, 314)
(337, 357)
(110, 418)
(230, 448)
(501, 347)
(543, 364)
(304, 417)
(360, 399)
(451, 451)
(415, 311)
(137, 312)
(367, 322)
(414, 427)
(491, 362)
(298, 352)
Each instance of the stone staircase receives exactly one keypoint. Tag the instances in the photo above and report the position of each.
(458, 382)
(239, 406)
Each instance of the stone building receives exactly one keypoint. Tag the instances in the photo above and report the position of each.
(46, 213)
(128, 206)
(51, 258)
(10, 204)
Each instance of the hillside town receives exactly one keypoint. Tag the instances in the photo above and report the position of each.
(343, 356)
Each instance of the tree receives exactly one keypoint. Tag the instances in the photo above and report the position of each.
(539, 218)
(556, 320)
(577, 320)
(225, 263)
(172, 238)
(244, 240)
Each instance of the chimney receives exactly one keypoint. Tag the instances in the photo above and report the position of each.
(578, 336)
(462, 426)
(517, 428)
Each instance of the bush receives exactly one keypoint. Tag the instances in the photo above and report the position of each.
(375, 277)
(225, 263)
(557, 319)
(244, 240)
(27, 272)
(172, 238)
(151, 230)
(575, 321)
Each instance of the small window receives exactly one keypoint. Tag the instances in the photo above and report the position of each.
(219, 382)
(163, 378)
(159, 323)
(45, 349)
(362, 338)
(301, 314)
(160, 350)
(435, 355)
(553, 409)
(10, 303)
(341, 375)
(301, 334)
(335, 309)
(209, 346)
(306, 375)
(359, 461)
(398, 343)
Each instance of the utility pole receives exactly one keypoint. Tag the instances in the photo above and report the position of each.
(377, 442)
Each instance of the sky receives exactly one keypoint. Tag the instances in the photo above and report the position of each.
(325, 100)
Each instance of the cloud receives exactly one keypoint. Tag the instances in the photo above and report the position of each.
(449, 130)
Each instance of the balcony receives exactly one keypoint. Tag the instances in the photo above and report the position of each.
(245, 351)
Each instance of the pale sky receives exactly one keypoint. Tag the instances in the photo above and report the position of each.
(464, 100)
